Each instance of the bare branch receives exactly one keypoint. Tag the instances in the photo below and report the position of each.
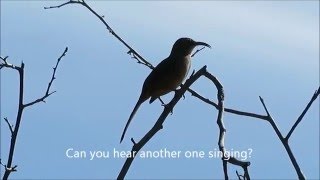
(48, 93)
(265, 107)
(133, 141)
(7, 65)
(11, 169)
(233, 111)
(14, 135)
(2, 164)
(14, 132)
(9, 125)
(131, 51)
(270, 120)
(225, 168)
(231, 159)
(284, 142)
(240, 177)
(313, 98)
(69, 2)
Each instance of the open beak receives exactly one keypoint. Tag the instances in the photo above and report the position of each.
(202, 44)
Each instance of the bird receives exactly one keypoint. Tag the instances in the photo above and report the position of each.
(167, 75)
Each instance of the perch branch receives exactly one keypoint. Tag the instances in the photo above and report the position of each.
(159, 124)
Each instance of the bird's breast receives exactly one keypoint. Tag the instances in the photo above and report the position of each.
(181, 70)
(167, 76)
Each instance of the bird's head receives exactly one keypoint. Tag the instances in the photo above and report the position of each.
(184, 46)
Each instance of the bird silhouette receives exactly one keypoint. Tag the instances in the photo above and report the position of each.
(167, 75)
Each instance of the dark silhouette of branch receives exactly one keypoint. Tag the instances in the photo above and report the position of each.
(284, 142)
(48, 93)
(131, 51)
(313, 98)
(233, 111)
(5, 64)
(220, 123)
(21, 106)
(9, 125)
(222, 130)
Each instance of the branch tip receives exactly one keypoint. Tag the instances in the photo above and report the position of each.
(9, 125)
(133, 141)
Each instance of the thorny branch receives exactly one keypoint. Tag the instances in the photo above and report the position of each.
(21, 106)
(267, 117)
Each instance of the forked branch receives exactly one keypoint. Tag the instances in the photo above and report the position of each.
(21, 106)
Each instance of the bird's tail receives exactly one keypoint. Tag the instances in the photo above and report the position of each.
(136, 107)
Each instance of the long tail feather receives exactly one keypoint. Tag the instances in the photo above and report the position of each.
(136, 107)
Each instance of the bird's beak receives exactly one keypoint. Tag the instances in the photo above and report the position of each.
(202, 44)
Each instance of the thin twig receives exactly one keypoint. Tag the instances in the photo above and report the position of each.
(48, 93)
(2, 164)
(240, 177)
(229, 110)
(9, 125)
(313, 98)
(59, 6)
(131, 51)
(284, 142)
(7, 65)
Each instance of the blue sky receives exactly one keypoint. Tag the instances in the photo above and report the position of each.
(260, 48)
